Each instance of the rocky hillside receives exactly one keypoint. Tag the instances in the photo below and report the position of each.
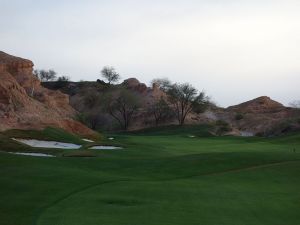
(262, 116)
(81, 92)
(25, 104)
(259, 105)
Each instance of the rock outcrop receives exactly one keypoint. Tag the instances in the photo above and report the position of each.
(135, 85)
(148, 94)
(261, 116)
(25, 104)
(262, 104)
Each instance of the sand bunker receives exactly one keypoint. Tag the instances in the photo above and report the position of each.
(246, 134)
(47, 144)
(32, 154)
(87, 140)
(105, 147)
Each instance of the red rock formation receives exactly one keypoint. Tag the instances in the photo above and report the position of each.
(25, 104)
(262, 104)
(148, 94)
(259, 115)
(135, 85)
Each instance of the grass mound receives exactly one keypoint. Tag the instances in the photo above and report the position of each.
(196, 130)
(48, 134)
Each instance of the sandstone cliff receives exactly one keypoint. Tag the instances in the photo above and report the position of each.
(25, 104)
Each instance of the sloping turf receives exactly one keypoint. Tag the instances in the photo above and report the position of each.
(159, 179)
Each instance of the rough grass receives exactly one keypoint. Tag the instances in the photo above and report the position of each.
(48, 134)
(160, 178)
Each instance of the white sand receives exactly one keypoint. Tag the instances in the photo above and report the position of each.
(32, 154)
(87, 140)
(105, 147)
(246, 134)
(47, 144)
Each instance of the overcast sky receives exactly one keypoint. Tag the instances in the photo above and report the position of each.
(235, 50)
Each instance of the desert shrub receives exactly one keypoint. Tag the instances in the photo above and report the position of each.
(221, 123)
(63, 79)
(239, 116)
(62, 82)
(91, 99)
(260, 134)
(98, 120)
(222, 127)
(284, 127)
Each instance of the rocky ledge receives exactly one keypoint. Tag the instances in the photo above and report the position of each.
(25, 104)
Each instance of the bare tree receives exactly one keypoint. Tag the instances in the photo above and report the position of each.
(94, 115)
(123, 107)
(110, 74)
(161, 111)
(163, 83)
(94, 119)
(45, 75)
(185, 98)
(295, 104)
(63, 79)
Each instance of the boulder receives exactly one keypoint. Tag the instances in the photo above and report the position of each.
(135, 85)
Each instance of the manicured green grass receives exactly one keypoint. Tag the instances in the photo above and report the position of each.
(197, 130)
(160, 178)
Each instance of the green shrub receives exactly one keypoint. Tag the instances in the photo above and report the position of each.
(260, 134)
(222, 127)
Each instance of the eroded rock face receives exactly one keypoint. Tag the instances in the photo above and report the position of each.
(21, 69)
(25, 104)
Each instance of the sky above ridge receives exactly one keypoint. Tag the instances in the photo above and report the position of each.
(235, 50)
